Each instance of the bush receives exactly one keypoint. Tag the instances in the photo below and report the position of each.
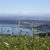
(26, 42)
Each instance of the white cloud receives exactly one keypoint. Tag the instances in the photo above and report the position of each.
(25, 12)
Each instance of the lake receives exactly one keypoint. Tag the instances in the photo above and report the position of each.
(15, 29)
(12, 28)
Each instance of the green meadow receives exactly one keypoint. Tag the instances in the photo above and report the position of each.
(26, 42)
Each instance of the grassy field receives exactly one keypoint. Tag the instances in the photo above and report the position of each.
(34, 42)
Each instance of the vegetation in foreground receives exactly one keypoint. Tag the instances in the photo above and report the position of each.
(34, 42)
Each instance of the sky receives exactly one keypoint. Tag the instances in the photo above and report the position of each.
(24, 6)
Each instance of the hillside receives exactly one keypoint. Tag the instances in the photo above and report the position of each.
(43, 27)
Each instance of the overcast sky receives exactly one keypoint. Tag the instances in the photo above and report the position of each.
(25, 6)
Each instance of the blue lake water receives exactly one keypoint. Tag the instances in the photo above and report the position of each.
(13, 28)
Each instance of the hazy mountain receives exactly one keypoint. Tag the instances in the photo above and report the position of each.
(25, 17)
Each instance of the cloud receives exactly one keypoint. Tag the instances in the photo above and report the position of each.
(25, 12)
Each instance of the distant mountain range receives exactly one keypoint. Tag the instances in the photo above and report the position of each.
(25, 17)
(22, 22)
